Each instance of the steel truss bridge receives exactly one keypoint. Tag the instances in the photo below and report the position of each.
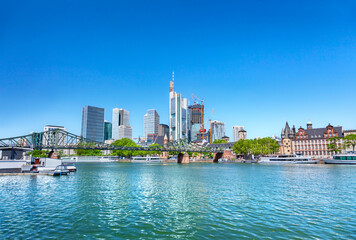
(58, 139)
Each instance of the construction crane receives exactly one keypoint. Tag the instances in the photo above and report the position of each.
(138, 139)
(211, 116)
(195, 98)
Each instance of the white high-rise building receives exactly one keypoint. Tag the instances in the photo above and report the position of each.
(217, 130)
(178, 119)
(115, 123)
(50, 137)
(125, 132)
(235, 132)
(120, 117)
(150, 122)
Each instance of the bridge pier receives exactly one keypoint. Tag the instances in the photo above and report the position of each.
(227, 154)
(183, 158)
(217, 156)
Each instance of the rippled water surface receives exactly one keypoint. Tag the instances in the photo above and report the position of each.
(195, 201)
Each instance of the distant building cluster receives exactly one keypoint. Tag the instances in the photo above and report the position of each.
(186, 123)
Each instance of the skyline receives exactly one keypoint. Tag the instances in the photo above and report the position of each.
(257, 64)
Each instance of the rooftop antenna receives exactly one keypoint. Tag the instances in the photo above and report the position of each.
(171, 84)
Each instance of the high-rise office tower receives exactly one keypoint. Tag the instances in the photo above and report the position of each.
(107, 130)
(195, 120)
(125, 132)
(163, 130)
(120, 117)
(217, 130)
(235, 132)
(150, 122)
(178, 120)
(93, 123)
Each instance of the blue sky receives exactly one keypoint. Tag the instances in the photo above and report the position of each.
(257, 63)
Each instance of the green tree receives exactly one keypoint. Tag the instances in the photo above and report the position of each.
(87, 151)
(126, 142)
(350, 141)
(155, 146)
(173, 153)
(242, 146)
(207, 155)
(267, 146)
(217, 141)
(262, 146)
(257, 146)
(38, 153)
(333, 145)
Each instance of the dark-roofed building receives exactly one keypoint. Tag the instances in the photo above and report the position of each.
(226, 138)
(13, 153)
(313, 141)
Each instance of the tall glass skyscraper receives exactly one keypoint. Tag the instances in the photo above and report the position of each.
(177, 114)
(107, 130)
(218, 130)
(93, 123)
(150, 122)
(120, 117)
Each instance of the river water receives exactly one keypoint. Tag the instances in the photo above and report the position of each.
(193, 201)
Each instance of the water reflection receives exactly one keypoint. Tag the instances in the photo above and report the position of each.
(196, 201)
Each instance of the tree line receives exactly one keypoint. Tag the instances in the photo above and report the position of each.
(124, 142)
(348, 141)
(261, 146)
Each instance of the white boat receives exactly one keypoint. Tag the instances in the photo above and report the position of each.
(147, 159)
(42, 165)
(287, 159)
(224, 160)
(70, 166)
(12, 166)
(59, 170)
(90, 159)
(345, 158)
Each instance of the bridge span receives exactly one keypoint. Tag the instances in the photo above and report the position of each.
(58, 139)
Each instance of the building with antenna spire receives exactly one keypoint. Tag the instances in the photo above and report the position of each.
(178, 114)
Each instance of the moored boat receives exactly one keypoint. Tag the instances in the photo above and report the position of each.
(70, 166)
(146, 159)
(345, 158)
(287, 159)
(59, 170)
